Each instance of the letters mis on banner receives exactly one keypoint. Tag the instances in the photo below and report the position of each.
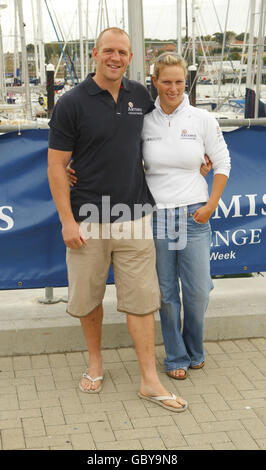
(239, 222)
(32, 251)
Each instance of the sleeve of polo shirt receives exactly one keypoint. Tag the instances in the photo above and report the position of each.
(63, 134)
(216, 147)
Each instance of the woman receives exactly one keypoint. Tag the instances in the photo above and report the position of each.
(175, 138)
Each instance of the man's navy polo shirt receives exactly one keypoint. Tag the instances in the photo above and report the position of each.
(105, 140)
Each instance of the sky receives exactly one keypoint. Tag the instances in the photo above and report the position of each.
(160, 18)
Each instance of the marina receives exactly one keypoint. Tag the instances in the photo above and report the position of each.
(219, 82)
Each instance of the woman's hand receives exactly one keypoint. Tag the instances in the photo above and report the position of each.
(202, 215)
(205, 169)
(71, 174)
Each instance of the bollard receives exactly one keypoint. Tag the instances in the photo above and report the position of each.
(50, 89)
(192, 79)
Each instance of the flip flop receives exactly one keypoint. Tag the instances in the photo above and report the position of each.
(88, 377)
(178, 377)
(159, 401)
(198, 366)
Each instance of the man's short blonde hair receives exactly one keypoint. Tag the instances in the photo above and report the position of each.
(115, 30)
(168, 58)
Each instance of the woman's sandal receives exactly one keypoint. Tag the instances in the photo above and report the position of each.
(88, 377)
(177, 377)
(198, 366)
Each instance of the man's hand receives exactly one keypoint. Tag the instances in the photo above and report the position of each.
(204, 169)
(71, 174)
(72, 235)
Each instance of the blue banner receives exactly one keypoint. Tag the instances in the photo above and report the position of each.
(239, 223)
(32, 252)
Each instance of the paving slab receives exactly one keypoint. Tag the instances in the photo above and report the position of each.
(61, 417)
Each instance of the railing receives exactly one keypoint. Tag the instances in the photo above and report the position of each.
(20, 125)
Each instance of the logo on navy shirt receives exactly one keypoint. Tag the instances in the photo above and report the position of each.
(132, 110)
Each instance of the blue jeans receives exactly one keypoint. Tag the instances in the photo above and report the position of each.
(184, 259)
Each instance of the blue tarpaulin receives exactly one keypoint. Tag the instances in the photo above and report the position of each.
(32, 252)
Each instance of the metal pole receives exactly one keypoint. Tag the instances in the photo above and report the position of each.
(136, 33)
(41, 43)
(35, 41)
(87, 39)
(49, 297)
(243, 52)
(222, 55)
(2, 64)
(16, 57)
(81, 51)
(179, 26)
(25, 73)
(193, 34)
(22, 125)
(260, 55)
(250, 43)
(123, 14)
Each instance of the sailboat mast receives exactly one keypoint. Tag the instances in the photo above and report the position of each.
(87, 41)
(260, 55)
(35, 41)
(223, 46)
(193, 34)
(123, 14)
(16, 58)
(41, 43)
(2, 64)
(136, 33)
(25, 73)
(179, 26)
(81, 52)
(250, 43)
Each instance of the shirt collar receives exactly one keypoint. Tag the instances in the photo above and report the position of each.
(179, 108)
(94, 89)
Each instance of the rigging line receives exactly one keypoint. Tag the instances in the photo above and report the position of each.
(205, 31)
(217, 17)
(58, 24)
(63, 40)
(63, 52)
(106, 14)
(207, 52)
(223, 46)
(65, 44)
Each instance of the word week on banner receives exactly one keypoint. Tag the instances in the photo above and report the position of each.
(32, 252)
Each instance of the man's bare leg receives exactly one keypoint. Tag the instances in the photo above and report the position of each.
(92, 329)
(142, 331)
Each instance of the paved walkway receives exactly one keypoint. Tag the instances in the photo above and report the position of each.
(42, 408)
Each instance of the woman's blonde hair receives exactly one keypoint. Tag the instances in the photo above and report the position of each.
(168, 58)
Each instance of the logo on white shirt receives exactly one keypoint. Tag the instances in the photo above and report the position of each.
(152, 139)
(186, 135)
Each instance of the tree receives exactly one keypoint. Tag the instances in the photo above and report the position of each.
(220, 36)
(30, 48)
(240, 37)
(235, 56)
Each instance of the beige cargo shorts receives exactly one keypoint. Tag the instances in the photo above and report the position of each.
(129, 247)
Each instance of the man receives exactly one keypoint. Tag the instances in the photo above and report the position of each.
(98, 124)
